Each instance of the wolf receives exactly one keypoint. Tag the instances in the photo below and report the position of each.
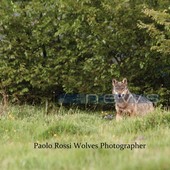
(127, 103)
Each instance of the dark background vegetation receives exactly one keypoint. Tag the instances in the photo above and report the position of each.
(65, 46)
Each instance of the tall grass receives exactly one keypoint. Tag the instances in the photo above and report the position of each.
(22, 126)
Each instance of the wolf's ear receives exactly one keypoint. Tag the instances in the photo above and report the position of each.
(114, 81)
(124, 81)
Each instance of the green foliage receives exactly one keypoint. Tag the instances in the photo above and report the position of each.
(63, 46)
(159, 30)
(25, 63)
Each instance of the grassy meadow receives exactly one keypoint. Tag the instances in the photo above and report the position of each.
(31, 140)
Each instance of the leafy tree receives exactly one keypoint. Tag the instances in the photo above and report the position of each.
(158, 28)
(27, 59)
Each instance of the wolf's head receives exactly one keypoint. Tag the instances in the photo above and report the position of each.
(120, 89)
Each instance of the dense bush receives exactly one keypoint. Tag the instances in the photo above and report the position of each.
(51, 47)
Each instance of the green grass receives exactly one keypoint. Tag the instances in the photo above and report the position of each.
(22, 126)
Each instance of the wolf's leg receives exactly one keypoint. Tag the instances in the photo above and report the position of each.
(118, 117)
